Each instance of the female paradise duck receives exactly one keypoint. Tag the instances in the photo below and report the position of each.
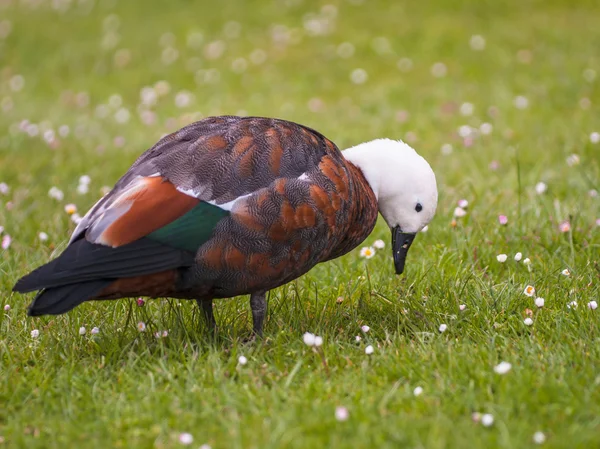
(230, 206)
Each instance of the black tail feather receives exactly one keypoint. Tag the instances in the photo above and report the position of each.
(83, 261)
(57, 300)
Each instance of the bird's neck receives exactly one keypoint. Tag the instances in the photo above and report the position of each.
(362, 215)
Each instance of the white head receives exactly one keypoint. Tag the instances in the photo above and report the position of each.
(402, 181)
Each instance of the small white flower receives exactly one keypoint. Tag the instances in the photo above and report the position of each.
(82, 189)
(573, 160)
(477, 42)
(529, 290)
(367, 252)
(443, 328)
(318, 341)
(539, 437)
(566, 272)
(459, 212)
(462, 307)
(502, 368)
(95, 331)
(70, 208)
(528, 321)
(518, 256)
(527, 261)
(466, 109)
(4, 189)
(365, 328)
(592, 305)
(501, 258)
(43, 236)
(379, 244)
(309, 339)
(6, 307)
(35, 333)
(6, 241)
(369, 350)
(540, 187)
(595, 137)
(487, 419)
(521, 102)
(82, 330)
(463, 203)
(358, 338)
(486, 128)
(446, 149)
(141, 326)
(418, 391)
(359, 76)
(540, 302)
(242, 360)
(572, 305)
(186, 438)
(439, 70)
(56, 193)
(76, 218)
(165, 334)
(341, 414)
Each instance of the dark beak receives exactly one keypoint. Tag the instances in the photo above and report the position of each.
(401, 241)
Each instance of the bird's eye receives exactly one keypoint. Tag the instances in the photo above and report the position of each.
(418, 207)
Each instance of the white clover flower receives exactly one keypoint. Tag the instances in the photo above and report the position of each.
(572, 305)
(82, 330)
(565, 272)
(528, 321)
(4, 189)
(467, 109)
(309, 339)
(487, 419)
(242, 360)
(529, 291)
(186, 438)
(56, 193)
(379, 244)
(443, 328)
(6, 241)
(35, 333)
(95, 331)
(541, 187)
(367, 252)
(418, 391)
(502, 368)
(341, 414)
(318, 341)
(518, 256)
(595, 137)
(463, 203)
(462, 307)
(446, 149)
(43, 236)
(527, 261)
(6, 307)
(573, 160)
(365, 328)
(539, 437)
(501, 258)
(357, 338)
(540, 302)
(592, 305)
(141, 326)
(369, 350)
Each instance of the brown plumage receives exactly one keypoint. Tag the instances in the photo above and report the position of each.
(223, 207)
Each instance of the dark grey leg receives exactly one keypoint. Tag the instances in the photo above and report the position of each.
(206, 305)
(258, 304)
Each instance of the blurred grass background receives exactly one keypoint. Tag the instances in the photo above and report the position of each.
(496, 95)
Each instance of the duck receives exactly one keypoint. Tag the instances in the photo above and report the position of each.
(231, 206)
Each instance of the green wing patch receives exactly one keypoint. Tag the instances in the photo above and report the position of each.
(191, 230)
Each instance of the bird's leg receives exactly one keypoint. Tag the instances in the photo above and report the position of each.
(207, 309)
(258, 304)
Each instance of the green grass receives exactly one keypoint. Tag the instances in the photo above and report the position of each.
(122, 388)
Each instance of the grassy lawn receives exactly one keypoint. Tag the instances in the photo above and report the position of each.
(499, 96)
